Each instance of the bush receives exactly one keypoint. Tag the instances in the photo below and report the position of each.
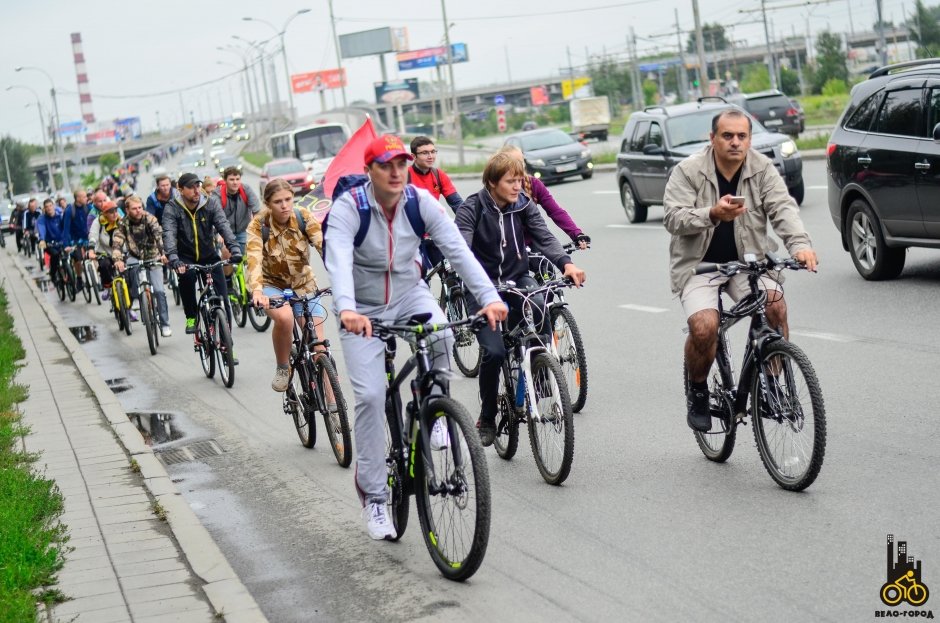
(835, 86)
(756, 78)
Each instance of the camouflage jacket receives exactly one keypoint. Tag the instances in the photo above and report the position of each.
(284, 262)
(143, 239)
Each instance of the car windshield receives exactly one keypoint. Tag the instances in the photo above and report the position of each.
(545, 140)
(759, 105)
(286, 168)
(696, 128)
(319, 143)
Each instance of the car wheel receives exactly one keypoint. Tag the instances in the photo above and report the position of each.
(588, 175)
(797, 192)
(635, 211)
(874, 260)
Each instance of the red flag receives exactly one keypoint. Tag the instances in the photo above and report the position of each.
(349, 160)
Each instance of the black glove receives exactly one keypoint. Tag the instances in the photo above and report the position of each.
(583, 238)
(235, 259)
(175, 263)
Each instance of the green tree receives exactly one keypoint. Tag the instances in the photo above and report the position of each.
(713, 36)
(925, 30)
(108, 163)
(789, 82)
(650, 92)
(17, 155)
(756, 78)
(830, 60)
(613, 80)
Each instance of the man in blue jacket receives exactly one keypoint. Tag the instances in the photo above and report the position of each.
(75, 225)
(51, 230)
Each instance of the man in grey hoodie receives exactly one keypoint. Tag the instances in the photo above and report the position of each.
(380, 278)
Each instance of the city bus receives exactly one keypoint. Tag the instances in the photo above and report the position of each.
(238, 121)
(314, 145)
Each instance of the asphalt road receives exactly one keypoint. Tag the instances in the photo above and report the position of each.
(645, 528)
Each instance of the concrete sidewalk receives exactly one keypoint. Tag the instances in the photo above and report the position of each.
(124, 563)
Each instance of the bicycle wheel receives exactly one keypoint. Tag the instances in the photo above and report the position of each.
(223, 348)
(507, 422)
(92, 281)
(453, 495)
(259, 320)
(70, 280)
(332, 405)
(59, 285)
(86, 283)
(552, 433)
(789, 418)
(570, 349)
(205, 343)
(297, 404)
(394, 461)
(146, 319)
(127, 320)
(239, 312)
(718, 443)
(174, 285)
(467, 351)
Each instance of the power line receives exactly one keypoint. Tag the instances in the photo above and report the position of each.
(399, 18)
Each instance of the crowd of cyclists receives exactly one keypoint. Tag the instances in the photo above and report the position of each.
(386, 228)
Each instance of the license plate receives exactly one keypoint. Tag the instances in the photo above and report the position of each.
(774, 122)
(564, 168)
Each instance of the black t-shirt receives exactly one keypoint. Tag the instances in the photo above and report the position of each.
(722, 248)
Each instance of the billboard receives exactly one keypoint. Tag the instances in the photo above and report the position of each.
(318, 80)
(397, 92)
(366, 43)
(539, 96)
(582, 88)
(72, 128)
(432, 57)
(128, 128)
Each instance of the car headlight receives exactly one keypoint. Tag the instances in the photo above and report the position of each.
(310, 177)
(585, 153)
(787, 149)
(537, 162)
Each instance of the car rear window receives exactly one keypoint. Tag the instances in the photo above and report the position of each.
(759, 105)
(285, 168)
(862, 117)
(544, 140)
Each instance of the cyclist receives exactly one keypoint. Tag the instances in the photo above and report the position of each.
(76, 220)
(189, 227)
(535, 189)
(50, 231)
(237, 201)
(161, 196)
(380, 278)
(281, 260)
(16, 224)
(30, 216)
(717, 204)
(100, 237)
(143, 237)
(423, 173)
(495, 223)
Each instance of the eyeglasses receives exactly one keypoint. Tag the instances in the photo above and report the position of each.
(429, 152)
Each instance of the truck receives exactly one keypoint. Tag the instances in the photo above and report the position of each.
(590, 117)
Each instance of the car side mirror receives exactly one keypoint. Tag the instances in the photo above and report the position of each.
(652, 150)
(936, 132)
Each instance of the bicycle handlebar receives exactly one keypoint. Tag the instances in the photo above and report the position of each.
(754, 267)
(276, 302)
(554, 284)
(384, 331)
(206, 268)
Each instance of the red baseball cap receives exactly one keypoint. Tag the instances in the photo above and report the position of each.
(384, 148)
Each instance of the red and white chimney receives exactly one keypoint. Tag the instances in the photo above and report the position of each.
(81, 74)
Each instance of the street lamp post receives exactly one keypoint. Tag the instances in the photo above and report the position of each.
(339, 62)
(259, 48)
(290, 90)
(56, 139)
(458, 130)
(246, 86)
(45, 140)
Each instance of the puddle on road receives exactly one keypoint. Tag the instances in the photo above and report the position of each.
(85, 333)
(157, 428)
(44, 284)
(118, 385)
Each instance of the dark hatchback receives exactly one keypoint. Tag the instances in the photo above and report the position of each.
(772, 108)
(884, 167)
(551, 154)
(659, 137)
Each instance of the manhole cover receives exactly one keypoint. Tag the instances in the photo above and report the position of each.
(191, 452)
(118, 385)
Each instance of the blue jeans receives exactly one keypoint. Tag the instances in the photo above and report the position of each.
(313, 306)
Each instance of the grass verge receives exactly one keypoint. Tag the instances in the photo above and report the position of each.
(817, 142)
(32, 540)
(257, 158)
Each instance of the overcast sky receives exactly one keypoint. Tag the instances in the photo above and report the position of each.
(134, 48)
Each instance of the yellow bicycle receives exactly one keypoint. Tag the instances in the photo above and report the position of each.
(892, 593)
(121, 302)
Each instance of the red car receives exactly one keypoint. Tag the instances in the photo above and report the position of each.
(292, 171)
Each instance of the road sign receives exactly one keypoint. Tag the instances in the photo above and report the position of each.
(499, 100)
(501, 118)
(579, 89)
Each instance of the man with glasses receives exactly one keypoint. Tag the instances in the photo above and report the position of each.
(190, 225)
(423, 174)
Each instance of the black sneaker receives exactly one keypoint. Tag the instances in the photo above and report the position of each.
(487, 428)
(698, 416)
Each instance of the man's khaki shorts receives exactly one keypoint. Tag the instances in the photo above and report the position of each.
(701, 291)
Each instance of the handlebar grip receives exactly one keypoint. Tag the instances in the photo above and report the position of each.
(708, 267)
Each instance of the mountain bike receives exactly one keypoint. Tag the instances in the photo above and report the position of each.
(213, 337)
(467, 352)
(147, 302)
(786, 402)
(91, 279)
(533, 390)
(568, 345)
(171, 279)
(65, 274)
(240, 300)
(450, 482)
(121, 301)
(314, 384)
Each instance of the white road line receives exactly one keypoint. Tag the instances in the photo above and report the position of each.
(631, 226)
(606, 192)
(821, 335)
(812, 188)
(644, 308)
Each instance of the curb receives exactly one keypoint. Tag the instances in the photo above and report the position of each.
(223, 588)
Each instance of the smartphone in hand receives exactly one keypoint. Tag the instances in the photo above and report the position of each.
(737, 200)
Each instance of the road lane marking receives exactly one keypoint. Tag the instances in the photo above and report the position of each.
(644, 308)
(631, 226)
(822, 335)
(817, 187)
(606, 192)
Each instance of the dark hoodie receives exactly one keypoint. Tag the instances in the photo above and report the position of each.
(497, 237)
(190, 235)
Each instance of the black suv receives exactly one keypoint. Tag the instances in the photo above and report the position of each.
(884, 167)
(772, 108)
(658, 138)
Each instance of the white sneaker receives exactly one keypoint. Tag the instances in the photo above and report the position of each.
(378, 523)
(166, 331)
(440, 438)
(281, 379)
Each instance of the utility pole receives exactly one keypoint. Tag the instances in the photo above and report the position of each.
(771, 65)
(799, 68)
(882, 46)
(508, 68)
(700, 45)
(683, 76)
(10, 179)
(453, 85)
(570, 70)
(339, 61)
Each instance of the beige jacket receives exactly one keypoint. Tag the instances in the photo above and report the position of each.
(691, 192)
(284, 262)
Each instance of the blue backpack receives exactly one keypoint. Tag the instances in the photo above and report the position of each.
(355, 185)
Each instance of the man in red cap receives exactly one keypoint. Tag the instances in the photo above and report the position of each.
(374, 274)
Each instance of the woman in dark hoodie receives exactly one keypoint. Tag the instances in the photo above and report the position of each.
(495, 222)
